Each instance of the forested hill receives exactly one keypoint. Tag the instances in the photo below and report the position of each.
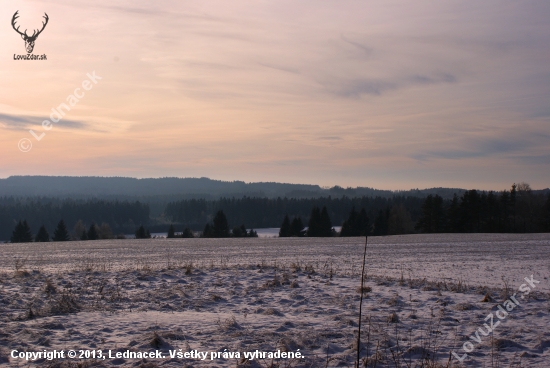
(519, 209)
(182, 188)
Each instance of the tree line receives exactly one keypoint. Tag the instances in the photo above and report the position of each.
(269, 213)
(107, 217)
(217, 228)
(22, 233)
(517, 210)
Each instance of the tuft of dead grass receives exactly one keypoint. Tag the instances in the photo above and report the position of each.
(49, 287)
(393, 318)
(66, 303)
(364, 290)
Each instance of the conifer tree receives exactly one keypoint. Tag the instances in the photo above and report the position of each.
(381, 223)
(61, 233)
(207, 232)
(141, 233)
(453, 223)
(348, 226)
(21, 233)
(187, 233)
(84, 235)
(171, 232)
(362, 225)
(325, 225)
(42, 235)
(285, 228)
(356, 224)
(92, 232)
(237, 232)
(220, 228)
(297, 227)
(433, 215)
(314, 224)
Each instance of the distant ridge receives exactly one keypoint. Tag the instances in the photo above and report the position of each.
(124, 187)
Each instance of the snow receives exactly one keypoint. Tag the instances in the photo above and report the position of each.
(270, 294)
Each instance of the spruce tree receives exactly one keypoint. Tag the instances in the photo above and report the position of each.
(141, 233)
(325, 225)
(207, 232)
(314, 224)
(61, 233)
(356, 224)
(297, 227)
(381, 223)
(513, 198)
(92, 232)
(84, 235)
(21, 233)
(220, 229)
(453, 223)
(433, 215)
(171, 232)
(362, 224)
(285, 228)
(42, 235)
(237, 232)
(187, 233)
(349, 225)
(26, 233)
(16, 233)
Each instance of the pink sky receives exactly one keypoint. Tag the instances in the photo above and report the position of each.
(386, 94)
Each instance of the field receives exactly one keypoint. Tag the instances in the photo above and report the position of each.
(424, 296)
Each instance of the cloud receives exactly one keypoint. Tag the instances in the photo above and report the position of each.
(506, 147)
(367, 50)
(375, 87)
(534, 159)
(16, 122)
(281, 68)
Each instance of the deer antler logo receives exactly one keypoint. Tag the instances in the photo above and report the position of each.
(29, 40)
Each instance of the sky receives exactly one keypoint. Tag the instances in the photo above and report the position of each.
(385, 94)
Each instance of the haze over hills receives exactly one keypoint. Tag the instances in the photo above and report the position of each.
(123, 187)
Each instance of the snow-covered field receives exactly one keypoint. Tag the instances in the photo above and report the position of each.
(425, 295)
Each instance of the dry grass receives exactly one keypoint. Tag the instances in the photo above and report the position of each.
(364, 290)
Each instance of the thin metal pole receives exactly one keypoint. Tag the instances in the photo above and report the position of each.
(361, 304)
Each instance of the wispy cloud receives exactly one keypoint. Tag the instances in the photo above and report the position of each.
(17, 122)
(375, 87)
